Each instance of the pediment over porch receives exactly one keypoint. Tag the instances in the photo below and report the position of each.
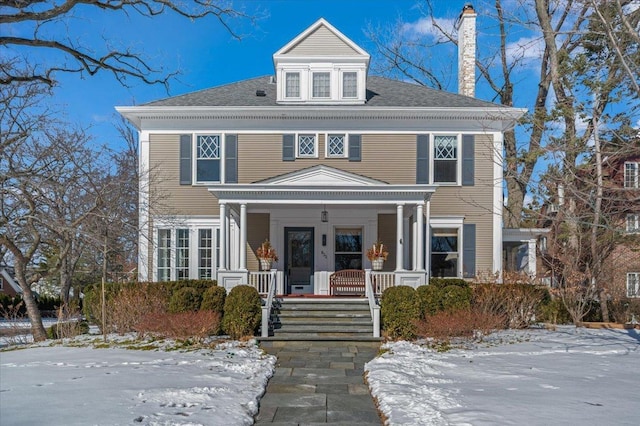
(321, 175)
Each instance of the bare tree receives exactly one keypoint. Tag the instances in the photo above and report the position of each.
(47, 26)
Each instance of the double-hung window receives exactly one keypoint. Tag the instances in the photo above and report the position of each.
(348, 248)
(444, 252)
(292, 85)
(633, 223)
(182, 254)
(208, 148)
(633, 284)
(336, 145)
(164, 255)
(445, 159)
(205, 254)
(350, 85)
(631, 175)
(307, 146)
(321, 85)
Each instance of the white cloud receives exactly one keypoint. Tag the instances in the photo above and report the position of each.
(527, 49)
(426, 26)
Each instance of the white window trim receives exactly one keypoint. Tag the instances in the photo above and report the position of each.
(193, 225)
(331, 83)
(629, 275)
(345, 153)
(300, 87)
(453, 222)
(635, 217)
(194, 157)
(636, 183)
(432, 159)
(315, 146)
(341, 84)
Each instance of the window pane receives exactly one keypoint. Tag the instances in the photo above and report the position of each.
(182, 254)
(350, 85)
(164, 254)
(348, 261)
(633, 223)
(444, 265)
(631, 175)
(292, 88)
(208, 158)
(307, 145)
(321, 85)
(444, 253)
(205, 245)
(633, 284)
(444, 244)
(335, 145)
(348, 248)
(445, 159)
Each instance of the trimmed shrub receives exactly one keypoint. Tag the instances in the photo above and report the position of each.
(399, 308)
(455, 297)
(438, 297)
(213, 300)
(446, 282)
(242, 312)
(185, 299)
(429, 299)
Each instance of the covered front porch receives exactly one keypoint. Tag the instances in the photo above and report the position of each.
(321, 220)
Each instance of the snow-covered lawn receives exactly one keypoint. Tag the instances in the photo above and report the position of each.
(536, 377)
(62, 385)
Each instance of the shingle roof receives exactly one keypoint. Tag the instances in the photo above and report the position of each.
(381, 92)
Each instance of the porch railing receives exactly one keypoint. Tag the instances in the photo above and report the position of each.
(374, 308)
(260, 281)
(271, 282)
(382, 281)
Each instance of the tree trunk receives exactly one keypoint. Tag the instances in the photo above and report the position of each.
(37, 328)
(65, 280)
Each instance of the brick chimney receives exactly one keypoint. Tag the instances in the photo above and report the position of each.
(467, 51)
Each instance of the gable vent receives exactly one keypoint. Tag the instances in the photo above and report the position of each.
(260, 92)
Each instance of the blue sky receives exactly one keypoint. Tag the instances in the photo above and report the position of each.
(207, 55)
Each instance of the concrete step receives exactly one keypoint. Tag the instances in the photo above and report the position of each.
(325, 320)
(296, 341)
(323, 314)
(322, 307)
(328, 326)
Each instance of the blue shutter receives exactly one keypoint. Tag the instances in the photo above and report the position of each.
(355, 147)
(468, 160)
(185, 160)
(469, 250)
(231, 158)
(288, 147)
(422, 159)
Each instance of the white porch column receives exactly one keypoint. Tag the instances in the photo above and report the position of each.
(223, 237)
(427, 236)
(243, 237)
(399, 236)
(531, 256)
(420, 237)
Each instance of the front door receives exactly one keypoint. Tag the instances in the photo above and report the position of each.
(299, 260)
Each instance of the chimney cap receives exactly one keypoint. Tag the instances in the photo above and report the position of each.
(468, 8)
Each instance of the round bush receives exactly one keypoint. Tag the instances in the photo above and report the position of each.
(242, 312)
(400, 309)
(213, 299)
(430, 299)
(186, 299)
(454, 298)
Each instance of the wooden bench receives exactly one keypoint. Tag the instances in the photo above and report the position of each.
(348, 282)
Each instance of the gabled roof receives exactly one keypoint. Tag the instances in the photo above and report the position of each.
(381, 92)
(7, 274)
(321, 28)
(321, 175)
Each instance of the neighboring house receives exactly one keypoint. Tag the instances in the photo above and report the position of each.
(8, 284)
(323, 160)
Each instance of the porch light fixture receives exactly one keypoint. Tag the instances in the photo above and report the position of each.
(324, 215)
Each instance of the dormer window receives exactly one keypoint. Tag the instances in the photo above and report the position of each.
(321, 85)
(350, 85)
(292, 88)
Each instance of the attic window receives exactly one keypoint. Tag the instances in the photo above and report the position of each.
(292, 87)
(350, 85)
(321, 85)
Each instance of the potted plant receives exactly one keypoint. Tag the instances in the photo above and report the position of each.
(267, 255)
(377, 254)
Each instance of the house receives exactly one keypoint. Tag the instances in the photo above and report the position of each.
(8, 284)
(322, 160)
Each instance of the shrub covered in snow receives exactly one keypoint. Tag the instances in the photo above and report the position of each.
(242, 311)
(399, 308)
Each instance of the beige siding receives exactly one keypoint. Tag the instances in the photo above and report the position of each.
(321, 42)
(475, 203)
(167, 195)
(387, 234)
(257, 232)
(260, 157)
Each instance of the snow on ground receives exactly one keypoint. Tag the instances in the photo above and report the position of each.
(533, 377)
(62, 385)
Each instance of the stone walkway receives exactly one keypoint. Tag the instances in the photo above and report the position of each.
(319, 383)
